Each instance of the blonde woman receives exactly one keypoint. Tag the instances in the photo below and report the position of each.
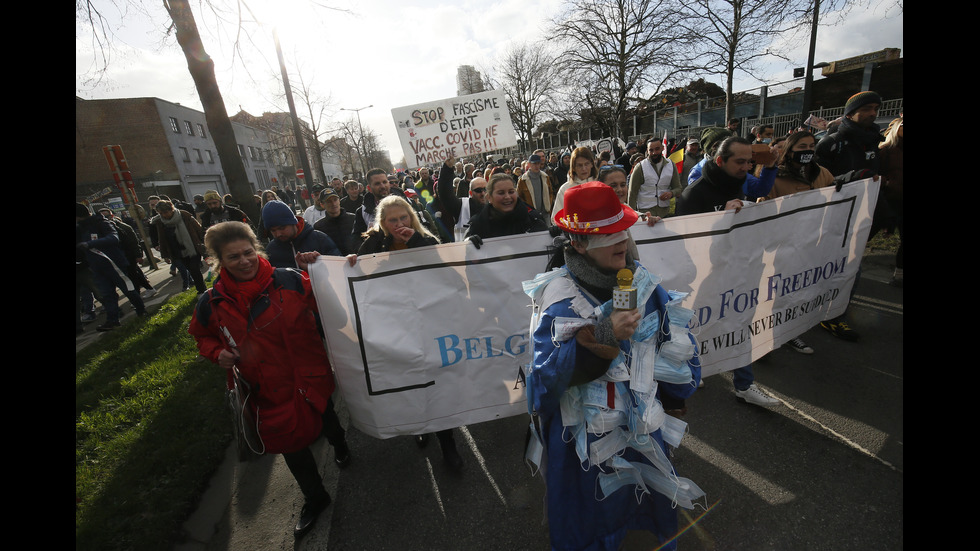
(397, 227)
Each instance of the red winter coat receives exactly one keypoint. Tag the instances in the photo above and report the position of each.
(280, 350)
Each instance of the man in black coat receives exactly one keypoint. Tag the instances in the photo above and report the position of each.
(338, 224)
(720, 188)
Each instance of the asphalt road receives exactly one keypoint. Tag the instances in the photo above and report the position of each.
(823, 470)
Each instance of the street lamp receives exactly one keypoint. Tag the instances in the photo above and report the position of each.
(361, 130)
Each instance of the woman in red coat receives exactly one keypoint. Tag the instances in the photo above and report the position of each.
(261, 320)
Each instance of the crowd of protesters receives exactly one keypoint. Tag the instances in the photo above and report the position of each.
(472, 200)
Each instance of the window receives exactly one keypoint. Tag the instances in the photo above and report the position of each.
(197, 153)
(175, 125)
(190, 129)
(200, 130)
(209, 155)
(241, 152)
(185, 154)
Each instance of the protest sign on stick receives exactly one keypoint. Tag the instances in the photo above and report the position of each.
(457, 127)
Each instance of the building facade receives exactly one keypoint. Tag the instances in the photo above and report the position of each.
(168, 147)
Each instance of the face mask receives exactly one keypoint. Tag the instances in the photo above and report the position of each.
(641, 375)
(607, 446)
(765, 140)
(667, 371)
(673, 430)
(802, 157)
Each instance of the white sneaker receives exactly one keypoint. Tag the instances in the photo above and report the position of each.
(800, 346)
(754, 396)
(150, 292)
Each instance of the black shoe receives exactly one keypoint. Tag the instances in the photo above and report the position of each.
(452, 459)
(108, 326)
(840, 329)
(422, 440)
(341, 455)
(308, 515)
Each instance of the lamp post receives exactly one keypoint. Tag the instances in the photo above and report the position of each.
(361, 130)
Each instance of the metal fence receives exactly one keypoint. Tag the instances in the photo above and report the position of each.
(776, 104)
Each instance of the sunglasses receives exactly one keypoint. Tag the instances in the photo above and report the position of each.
(479, 190)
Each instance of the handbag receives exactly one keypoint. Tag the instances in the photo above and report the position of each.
(246, 427)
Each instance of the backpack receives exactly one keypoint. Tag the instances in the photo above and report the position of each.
(128, 241)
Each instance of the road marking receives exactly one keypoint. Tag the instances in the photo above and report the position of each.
(836, 434)
(877, 304)
(435, 487)
(771, 493)
(482, 463)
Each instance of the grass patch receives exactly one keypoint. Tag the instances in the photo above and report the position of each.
(884, 242)
(151, 426)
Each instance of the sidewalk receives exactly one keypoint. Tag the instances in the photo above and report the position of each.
(166, 286)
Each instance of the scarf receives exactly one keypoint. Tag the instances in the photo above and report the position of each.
(867, 136)
(184, 241)
(244, 293)
(597, 282)
(728, 185)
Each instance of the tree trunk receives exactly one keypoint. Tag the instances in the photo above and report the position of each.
(201, 67)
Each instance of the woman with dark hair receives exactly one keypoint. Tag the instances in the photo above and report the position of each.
(582, 168)
(598, 402)
(797, 170)
(505, 213)
(258, 322)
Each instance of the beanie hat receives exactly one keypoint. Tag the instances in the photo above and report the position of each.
(277, 213)
(713, 135)
(211, 195)
(860, 99)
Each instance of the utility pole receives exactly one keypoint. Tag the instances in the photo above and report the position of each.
(297, 129)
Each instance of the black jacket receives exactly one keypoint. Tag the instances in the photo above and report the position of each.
(490, 222)
(378, 242)
(852, 147)
(710, 192)
(339, 229)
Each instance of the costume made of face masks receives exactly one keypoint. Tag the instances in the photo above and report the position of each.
(615, 423)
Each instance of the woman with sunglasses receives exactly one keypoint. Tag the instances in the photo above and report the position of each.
(258, 323)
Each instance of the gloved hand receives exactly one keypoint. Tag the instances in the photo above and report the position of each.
(852, 176)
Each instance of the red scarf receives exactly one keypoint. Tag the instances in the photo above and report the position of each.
(243, 293)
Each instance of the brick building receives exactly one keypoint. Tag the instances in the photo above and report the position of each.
(168, 147)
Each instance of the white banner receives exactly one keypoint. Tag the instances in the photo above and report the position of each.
(434, 338)
(434, 131)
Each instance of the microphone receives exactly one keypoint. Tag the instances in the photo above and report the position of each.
(624, 298)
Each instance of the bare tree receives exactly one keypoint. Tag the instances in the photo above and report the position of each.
(735, 34)
(316, 107)
(616, 52)
(529, 78)
(201, 67)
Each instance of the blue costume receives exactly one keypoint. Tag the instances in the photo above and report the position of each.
(602, 444)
